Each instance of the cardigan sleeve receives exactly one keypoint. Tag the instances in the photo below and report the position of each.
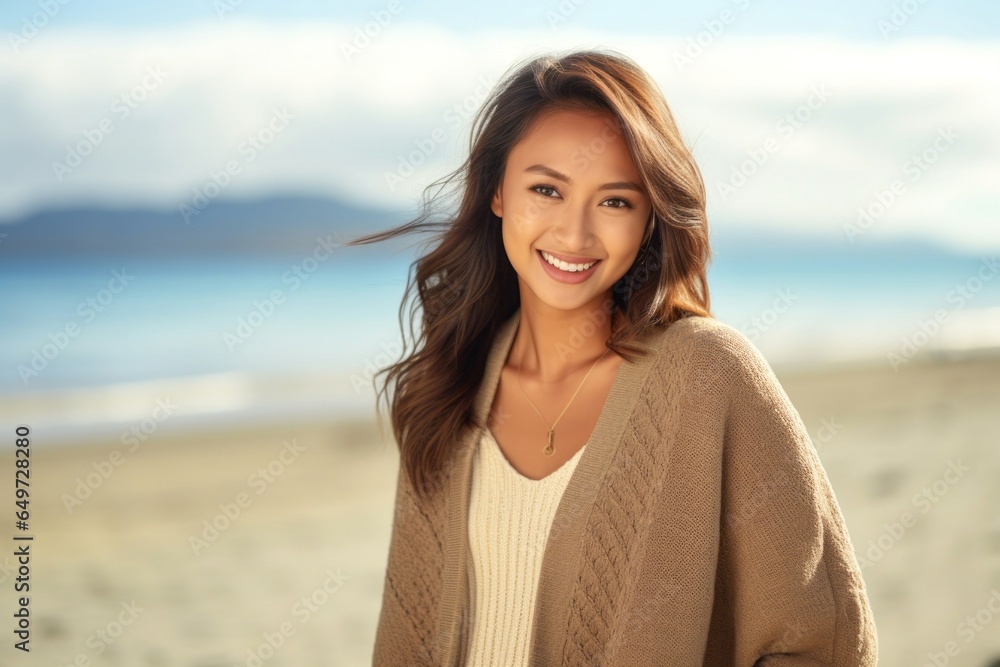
(786, 565)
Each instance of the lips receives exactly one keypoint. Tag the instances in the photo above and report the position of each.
(568, 277)
(571, 259)
(568, 263)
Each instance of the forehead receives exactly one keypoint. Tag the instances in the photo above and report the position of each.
(576, 142)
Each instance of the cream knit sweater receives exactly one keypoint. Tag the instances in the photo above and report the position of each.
(509, 520)
(698, 529)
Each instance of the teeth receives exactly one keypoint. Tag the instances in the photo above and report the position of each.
(566, 266)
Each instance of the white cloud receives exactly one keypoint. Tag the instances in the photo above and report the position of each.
(355, 121)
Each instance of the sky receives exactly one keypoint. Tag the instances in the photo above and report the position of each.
(848, 121)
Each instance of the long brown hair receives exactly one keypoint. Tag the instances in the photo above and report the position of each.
(466, 285)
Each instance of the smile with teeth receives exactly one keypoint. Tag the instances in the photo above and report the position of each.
(566, 266)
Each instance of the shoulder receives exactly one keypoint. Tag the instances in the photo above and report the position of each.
(716, 352)
(701, 336)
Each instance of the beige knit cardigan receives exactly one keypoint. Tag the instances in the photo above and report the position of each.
(698, 528)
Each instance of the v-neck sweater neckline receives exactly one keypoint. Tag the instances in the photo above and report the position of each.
(490, 441)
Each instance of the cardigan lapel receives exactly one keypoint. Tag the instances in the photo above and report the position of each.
(560, 559)
(454, 603)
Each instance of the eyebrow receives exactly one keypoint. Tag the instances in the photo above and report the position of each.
(552, 173)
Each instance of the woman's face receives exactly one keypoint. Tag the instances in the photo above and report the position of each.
(570, 192)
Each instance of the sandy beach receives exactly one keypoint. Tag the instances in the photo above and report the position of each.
(267, 545)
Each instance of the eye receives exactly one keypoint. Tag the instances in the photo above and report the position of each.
(541, 186)
(625, 203)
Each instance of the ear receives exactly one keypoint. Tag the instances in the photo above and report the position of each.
(496, 205)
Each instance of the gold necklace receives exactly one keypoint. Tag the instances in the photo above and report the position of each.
(550, 447)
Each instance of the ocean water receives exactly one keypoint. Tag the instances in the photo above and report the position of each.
(81, 340)
(171, 318)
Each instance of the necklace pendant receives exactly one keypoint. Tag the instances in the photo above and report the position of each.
(550, 448)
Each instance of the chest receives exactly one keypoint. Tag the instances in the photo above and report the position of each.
(522, 433)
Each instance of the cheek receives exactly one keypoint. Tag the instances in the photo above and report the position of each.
(622, 250)
(622, 244)
(515, 242)
(521, 222)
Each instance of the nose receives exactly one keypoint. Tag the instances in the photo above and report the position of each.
(572, 227)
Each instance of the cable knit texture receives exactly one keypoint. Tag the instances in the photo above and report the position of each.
(698, 528)
(509, 520)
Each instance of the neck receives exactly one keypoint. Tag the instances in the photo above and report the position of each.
(552, 345)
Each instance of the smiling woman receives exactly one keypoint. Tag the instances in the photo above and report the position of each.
(593, 222)
(593, 470)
